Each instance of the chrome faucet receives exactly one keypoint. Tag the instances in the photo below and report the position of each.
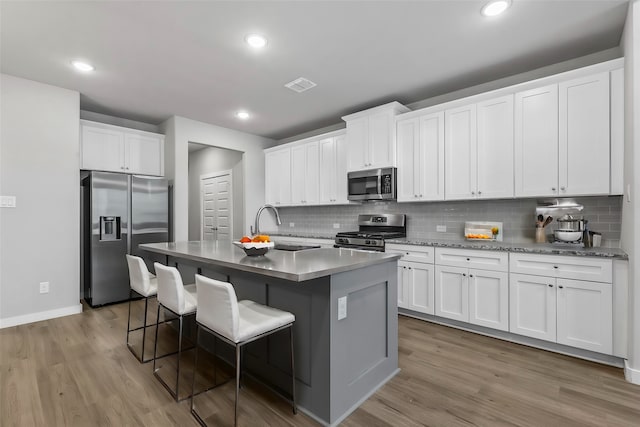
(256, 230)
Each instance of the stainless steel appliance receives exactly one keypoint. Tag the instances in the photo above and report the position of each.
(373, 229)
(374, 184)
(118, 213)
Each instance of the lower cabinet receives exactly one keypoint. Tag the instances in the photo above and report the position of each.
(480, 297)
(577, 313)
(415, 286)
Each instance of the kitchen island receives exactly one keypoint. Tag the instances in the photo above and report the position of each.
(342, 356)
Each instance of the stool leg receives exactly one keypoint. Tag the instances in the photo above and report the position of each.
(179, 356)
(195, 367)
(129, 317)
(144, 328)
(293, 373)
(155, 344)
(238, 348)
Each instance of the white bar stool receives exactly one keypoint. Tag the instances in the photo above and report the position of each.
(179, 299)
(237, 323)
(145, 284)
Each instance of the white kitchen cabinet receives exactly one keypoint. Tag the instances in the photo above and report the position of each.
(536, 142)
(566, 267)
(576, 313)
(479, 150)
(473, 286)
(305, 175)
(421, 158)
(371, 137)
(532, 306)
(117, 149)
(278, 176)
(333, 170)
(584, 136)
(563, 138)
(403, 284)
(417, 286)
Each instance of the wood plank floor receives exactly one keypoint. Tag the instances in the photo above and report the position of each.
(77, 371)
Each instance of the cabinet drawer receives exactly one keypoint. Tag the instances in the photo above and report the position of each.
(565, 267)
(483, 260)
(412, 253)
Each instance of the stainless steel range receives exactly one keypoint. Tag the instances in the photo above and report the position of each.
(373, 230)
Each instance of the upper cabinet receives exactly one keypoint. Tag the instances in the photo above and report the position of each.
(277, 181)
(307, 172)
(371, 137)
(421, 158)
(479, 150)
(563, 138)
(117, 149)
(333, 170)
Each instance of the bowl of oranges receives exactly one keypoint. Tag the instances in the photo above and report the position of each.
(256, 245)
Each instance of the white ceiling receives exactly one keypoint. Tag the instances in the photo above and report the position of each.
(158, 59)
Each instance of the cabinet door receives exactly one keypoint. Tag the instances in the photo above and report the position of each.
(382, 148)
(452, 293)
(408, 160)
(429, 164)
(298, 174)
(585, 318)
(584, 136)
(144, 154)
(532, 306)
(489, 299)
(460, 153)
(278, 177)
(312, 173)
(536, 142)
(358, 144)
(328, 171)
(341, 170)
(495, 148)
(102, 149)
(420, 289)
(403, 272)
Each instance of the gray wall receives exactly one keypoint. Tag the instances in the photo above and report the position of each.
(39, 164)
(208, 160)
(518, 217)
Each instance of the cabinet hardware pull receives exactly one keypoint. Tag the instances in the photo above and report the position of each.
(553, 188)
(555, 266)
(479, 193)
(551, 286)
(468, 259)
(471, 275)
(420, 195)
(473, 193)
(562, 188)
(561, 287)
(464, 274)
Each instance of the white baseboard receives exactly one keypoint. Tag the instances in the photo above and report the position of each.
(42, 315)
(630, 374)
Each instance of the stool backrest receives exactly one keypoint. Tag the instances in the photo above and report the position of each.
(219, 307)
(170, 288)
(138, 274)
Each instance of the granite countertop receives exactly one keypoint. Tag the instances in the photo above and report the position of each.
(526, 247)
(295, 266)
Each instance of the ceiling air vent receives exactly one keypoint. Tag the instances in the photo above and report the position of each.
(300, 85)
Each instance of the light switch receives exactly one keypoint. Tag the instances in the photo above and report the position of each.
(342, 308)
(7, 201)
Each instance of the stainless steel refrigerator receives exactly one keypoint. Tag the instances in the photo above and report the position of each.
(119, 212)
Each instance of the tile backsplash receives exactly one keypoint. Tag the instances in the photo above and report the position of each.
(518, 217)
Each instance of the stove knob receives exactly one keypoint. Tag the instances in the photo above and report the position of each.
(367, 242)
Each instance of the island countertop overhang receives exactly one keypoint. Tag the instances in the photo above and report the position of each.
(294, 266)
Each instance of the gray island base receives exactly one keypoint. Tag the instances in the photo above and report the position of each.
(339, 362)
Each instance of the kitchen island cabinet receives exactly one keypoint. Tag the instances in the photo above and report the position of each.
(340, 358)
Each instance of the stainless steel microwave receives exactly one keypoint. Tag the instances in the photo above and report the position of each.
(373, 184)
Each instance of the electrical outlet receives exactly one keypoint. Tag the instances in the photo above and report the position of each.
(7, 201)
(441, 228)
(291, 224)
(342, 308)
(44, 287)
(336, 225)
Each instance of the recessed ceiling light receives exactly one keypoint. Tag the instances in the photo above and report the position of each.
(83, 66)
(242, 115)
(256, 41)
(496, 7)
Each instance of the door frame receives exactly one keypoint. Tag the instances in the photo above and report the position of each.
(228, 172)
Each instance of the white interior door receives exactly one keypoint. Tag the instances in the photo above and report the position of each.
(217, 207)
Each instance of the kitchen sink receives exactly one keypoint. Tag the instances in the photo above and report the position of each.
(294, 247)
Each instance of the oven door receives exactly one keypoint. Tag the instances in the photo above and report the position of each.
(374, 184)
